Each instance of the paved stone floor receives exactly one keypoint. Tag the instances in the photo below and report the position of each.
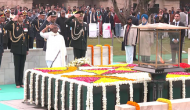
(18, 104)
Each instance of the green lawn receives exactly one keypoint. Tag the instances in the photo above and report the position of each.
(119, 55)
(117, 44)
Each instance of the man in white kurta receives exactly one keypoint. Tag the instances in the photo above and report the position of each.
(130, 33)
(56, 50)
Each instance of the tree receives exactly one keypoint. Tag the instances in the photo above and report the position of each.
(141, 5)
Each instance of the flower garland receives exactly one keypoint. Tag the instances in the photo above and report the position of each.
(134, 104)
(131, 91)
(25, 86)
(49, 93)
(117, 94)
(92, 54)
(109, 53)
(43, 87)
(78, 96)
(145, 91)
(171, 89)
(63, 95)
(31, 88)
(101, 51)
(166, 101)
(70, 69)
(37, 78)
(104, 99)
(56, 94)
(100, 76)
(91, 97)
(183, 88)
(87, 98)
(71, 96)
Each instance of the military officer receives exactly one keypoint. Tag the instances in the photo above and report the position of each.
(19, 48)
(1, 36)
(78, 34)
(25, 14)
(37, 24)
(52, 16)
(4, 34)
(31, 32)
(8, 33)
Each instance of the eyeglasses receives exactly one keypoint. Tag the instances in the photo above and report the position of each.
(176, 16)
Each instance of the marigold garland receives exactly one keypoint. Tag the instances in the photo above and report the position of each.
(134, 104)
(69, 69)
(92, 52)
(101, 50)
(109, 53)
(166, 101)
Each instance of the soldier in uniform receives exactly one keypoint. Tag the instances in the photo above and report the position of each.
(52, 16)
(37, 23)
(31, 27)
(1, 36)
(19, 48)
(4, 34)
(8, 33)
(78, 34)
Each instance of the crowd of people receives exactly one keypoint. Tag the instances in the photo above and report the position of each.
(20, 26)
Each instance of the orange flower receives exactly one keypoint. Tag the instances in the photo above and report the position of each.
(134, 104)
(92, 56)
(69, 69)
(109, 53)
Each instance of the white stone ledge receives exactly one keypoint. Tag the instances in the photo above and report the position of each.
(36, 59)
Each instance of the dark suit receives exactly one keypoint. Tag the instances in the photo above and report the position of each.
(64, 29)
(19, 48)
(93, 17)
(31, 32)
(175, 46)
(87, 20)
(39, 40)
(79, 45)
(110, 20)
(135, 21)
(166, 18)
(1, 42)
(9, 42)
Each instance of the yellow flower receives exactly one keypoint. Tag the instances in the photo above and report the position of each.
(166, 101)
(107, 80)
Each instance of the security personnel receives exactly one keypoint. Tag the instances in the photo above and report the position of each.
(31, 32)
(4, 34)
(8, 33)
(37, 22)
(78, 34)
(52, 16)
(19, 48)
(1, 36)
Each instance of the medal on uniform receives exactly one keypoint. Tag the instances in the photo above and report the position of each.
(23, 38)
(25, 30)
(17, 28)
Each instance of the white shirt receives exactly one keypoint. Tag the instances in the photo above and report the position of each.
(55, 43)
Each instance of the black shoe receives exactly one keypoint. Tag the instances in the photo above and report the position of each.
(135, 59)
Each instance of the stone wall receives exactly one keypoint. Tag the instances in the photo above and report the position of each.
(105, 3)
(36, 59)
(13, 3)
